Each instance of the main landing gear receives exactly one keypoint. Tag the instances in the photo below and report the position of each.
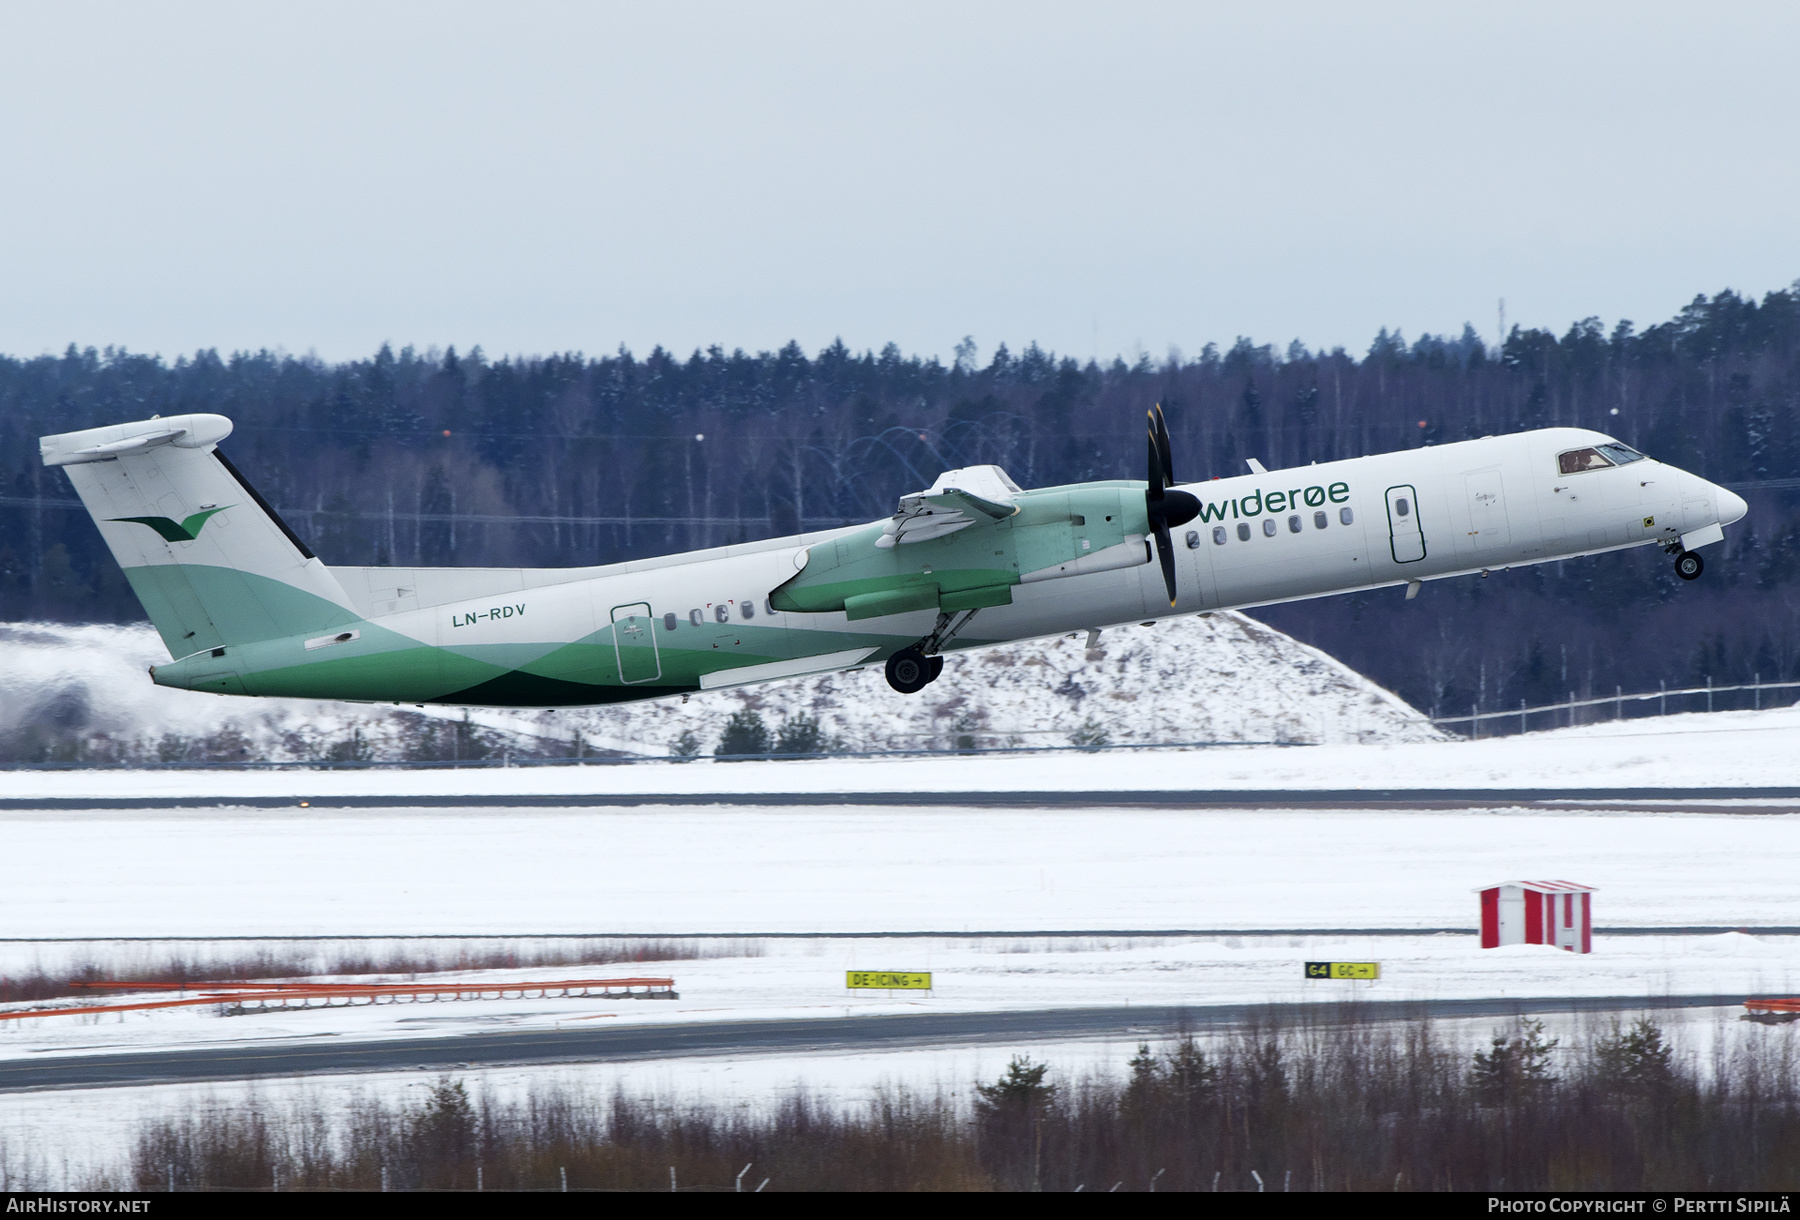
(911, 670)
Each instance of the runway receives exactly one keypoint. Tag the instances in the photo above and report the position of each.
(327, 1056)
(1611, 800)
(958, 934)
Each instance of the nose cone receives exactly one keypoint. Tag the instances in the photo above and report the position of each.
(1731, 506)
(1174, 508)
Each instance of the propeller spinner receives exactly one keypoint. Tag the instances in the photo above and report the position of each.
(1166, 506)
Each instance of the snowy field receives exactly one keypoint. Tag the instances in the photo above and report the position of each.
(1721, 750)
(210, 872)
(801, 979)
(669, 871)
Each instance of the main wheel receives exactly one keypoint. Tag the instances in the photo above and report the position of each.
(1689, 565)
(937, 667)
(908, 671)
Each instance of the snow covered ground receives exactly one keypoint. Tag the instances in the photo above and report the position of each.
(80, 1131)
(669, 871)
(210, 871)
(60, 1138)
(798, 979)
(1720, 750)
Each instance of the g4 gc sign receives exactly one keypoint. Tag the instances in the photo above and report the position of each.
(1343, 970)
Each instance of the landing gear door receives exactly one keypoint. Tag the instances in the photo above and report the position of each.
(634, 642)
(1406, 539)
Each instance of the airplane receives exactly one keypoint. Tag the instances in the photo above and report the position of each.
(974, 560)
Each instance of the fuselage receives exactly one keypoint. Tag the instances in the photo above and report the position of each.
(706, 619)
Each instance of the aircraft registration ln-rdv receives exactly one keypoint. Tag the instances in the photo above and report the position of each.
(974, 560)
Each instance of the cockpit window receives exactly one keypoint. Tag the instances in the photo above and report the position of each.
(1574, 461)
(1620, 454)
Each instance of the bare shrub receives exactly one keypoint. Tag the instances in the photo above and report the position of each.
(1332, 1102)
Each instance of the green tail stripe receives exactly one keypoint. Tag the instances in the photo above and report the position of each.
(197, 606)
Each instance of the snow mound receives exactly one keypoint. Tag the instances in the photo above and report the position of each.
(1218, 677)
(1214, 677)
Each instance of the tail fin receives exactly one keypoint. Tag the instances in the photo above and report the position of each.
(210, 560)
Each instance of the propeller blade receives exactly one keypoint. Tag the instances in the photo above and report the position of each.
(1164, 506)
(1165, 551)
(1161, 427)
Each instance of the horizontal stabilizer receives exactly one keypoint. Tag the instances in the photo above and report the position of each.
(117, 440)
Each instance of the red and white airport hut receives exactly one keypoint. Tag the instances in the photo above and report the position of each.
(1559, 913)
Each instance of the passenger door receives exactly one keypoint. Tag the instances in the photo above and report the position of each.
(1406, 538)
(634, 643)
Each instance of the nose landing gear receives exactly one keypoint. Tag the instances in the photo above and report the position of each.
(1689, 565)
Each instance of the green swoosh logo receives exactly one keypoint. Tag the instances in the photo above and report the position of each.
(176, 531)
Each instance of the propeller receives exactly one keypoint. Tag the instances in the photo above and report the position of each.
(1166, 507)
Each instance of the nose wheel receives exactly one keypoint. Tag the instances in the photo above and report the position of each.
(1689, 565)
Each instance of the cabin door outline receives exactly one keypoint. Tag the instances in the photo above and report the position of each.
(634, 643)
(1486, 491)
(1406, 539)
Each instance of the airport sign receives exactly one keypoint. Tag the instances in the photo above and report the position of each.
(1343, 970)
(888, 980)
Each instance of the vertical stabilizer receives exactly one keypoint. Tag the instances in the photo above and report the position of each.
(210, 560)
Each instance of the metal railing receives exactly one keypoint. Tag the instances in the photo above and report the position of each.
(276, 997)
(1617, 701)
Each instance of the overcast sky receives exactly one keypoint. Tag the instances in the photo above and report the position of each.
(1100, 178)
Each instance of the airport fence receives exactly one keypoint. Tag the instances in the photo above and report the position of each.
(1572, 711)
(616, 759)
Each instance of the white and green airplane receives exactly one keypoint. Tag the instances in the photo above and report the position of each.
(974, 560)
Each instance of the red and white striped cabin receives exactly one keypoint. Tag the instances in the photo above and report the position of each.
(1559, 913)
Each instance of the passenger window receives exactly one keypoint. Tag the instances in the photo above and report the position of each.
(1243, 532)
(694, 617)
(1402, 507)
(1193, 539)
(1319, 521)
(768, 607)
(1577, 460)
(747, 607)
(1345, 515)
(1294, 524)
(1268, 527)
(722, 612)
(1218, 535)
(669, 621)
